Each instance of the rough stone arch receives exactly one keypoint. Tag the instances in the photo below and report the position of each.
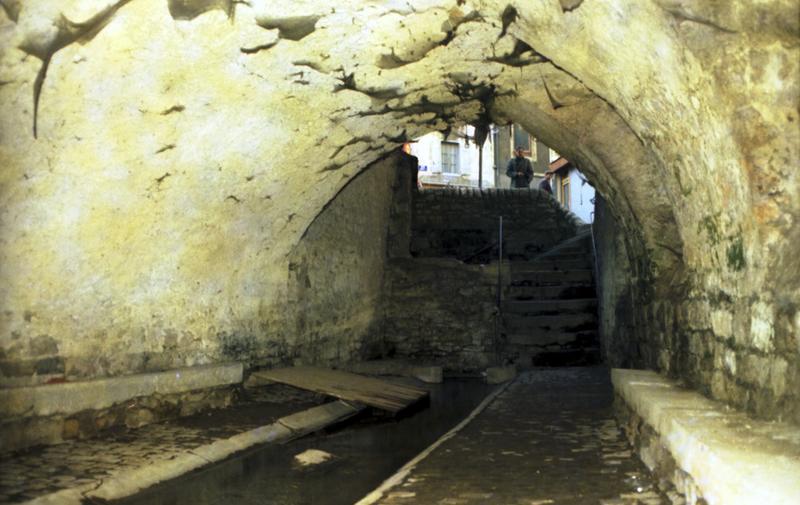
(176, 139)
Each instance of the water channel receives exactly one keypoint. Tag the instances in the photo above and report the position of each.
(365, 452)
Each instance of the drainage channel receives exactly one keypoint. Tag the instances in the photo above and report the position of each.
(363, 454)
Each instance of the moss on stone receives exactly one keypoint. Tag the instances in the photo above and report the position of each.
(709, 224)
(736, 260)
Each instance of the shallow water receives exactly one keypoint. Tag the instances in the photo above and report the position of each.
(365, 452)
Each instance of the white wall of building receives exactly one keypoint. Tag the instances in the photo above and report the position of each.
(581, 196)
(428, 149)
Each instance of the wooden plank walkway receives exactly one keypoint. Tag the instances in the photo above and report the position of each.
(347, 386)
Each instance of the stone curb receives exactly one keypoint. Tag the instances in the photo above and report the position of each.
(128, 481)
(401, 474)
(95, 394)
(732, 459)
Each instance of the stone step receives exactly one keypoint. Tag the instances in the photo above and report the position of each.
(550, 307)
(532, 357)
(564, 255)
(525, 253)
(580, 262)
(550, 277)
(568, 357)
(580, 248)
(564, 322)
(557, 291)
(551, 339)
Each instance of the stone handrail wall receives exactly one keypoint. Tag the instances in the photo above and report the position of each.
(460, 222)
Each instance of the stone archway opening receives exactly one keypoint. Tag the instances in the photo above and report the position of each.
(186, 167)
(260, 129)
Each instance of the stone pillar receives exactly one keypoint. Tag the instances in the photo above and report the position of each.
(399, 234)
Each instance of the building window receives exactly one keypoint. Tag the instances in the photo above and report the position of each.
(450, 157)
(521, 139)
(565, 191)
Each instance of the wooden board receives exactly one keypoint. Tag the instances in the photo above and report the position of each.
(347, 386)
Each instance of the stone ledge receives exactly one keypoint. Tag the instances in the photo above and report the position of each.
(128, 481)
(731, 458)
(72, 397)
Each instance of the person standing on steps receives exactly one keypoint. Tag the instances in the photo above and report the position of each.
(519, 170)
(544, 184)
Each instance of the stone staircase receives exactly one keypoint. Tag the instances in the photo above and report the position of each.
(550, 307)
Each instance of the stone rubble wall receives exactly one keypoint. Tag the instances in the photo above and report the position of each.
(336, 275)
(702, 449)
(692, 335)
(460, 222)
(22, 433)
(440, 309)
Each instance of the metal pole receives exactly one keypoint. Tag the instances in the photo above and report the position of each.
(499, 291)
(480, 166)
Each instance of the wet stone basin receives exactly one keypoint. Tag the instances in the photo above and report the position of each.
(363, 453)
(549, 438)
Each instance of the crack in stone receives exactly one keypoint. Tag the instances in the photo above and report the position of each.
(166, 148)
(310, 64)
(290, 28)
(208, 461)
(174, 108)
(680, 12)
(67, 32)
(189, 9)
(553, 102)
(391, 60)
(678, 254)
(515, 57)
(85, 494)
(11, 8)
(570, 5)
(706, 22)
(351, 142)
(161, 179)
(508, 16)
(258, 48)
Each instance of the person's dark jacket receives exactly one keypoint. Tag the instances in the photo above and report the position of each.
(520, 171)
(544, 185)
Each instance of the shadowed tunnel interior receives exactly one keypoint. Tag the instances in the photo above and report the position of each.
(200, 182)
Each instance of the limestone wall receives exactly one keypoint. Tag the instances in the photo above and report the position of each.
(322, 311)
(440, 311)
(695, 336)
(440, 305)
(162, 159)
(336, 275)
(464, 223)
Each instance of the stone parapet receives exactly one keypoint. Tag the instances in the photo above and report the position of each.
(50, 413)
(72, 397)
(459, 222)
(708, 451)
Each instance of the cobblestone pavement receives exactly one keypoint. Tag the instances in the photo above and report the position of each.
(44, 470)
(550, 438)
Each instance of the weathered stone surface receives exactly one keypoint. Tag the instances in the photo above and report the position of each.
(500, 374)
(726, 456)
(312, 457)
(72, 397)
(432, 374)
(440, 310)
(461, 223)
(163, 160)
(316, 418)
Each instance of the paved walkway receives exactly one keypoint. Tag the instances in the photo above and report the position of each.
(550, 438)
